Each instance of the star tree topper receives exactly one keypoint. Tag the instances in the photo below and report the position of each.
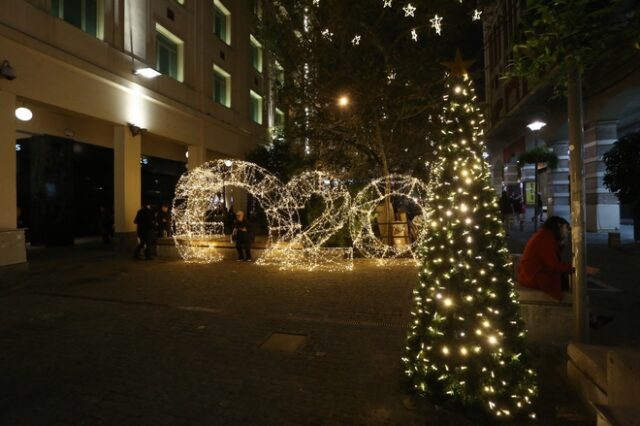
(458, 67)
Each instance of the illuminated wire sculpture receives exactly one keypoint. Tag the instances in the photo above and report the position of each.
(194, 201)
(289, 244)
(302, 247)
(373, 204)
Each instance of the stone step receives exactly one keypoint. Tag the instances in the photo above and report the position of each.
(616, 415)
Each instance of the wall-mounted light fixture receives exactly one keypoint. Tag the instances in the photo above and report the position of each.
(136, 130)
(536, 125)
(7, 71)
(147, 72)
(23, 113)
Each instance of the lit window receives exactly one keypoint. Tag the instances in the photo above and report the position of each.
(221, 22)
(279, 74)
(169, 53)
(221, 86)
(279, 118)
(88, 15)
(256, 53)
(255, 107)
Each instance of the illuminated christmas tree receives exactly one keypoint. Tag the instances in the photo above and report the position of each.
(467, 340)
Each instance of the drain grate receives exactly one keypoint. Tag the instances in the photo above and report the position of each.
(284, 342)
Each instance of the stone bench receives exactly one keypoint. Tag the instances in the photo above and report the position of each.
(166, 248)
(608, 380)
(547, 320)
(326, 258)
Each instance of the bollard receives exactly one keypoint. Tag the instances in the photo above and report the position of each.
(614, 240)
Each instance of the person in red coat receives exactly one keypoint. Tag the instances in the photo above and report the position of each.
(541, 267)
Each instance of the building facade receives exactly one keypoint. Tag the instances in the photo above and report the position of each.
(611, 97)
(83, 68)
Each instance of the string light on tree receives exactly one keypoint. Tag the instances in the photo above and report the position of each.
(466, 340)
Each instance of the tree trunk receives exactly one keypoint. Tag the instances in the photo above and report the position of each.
(636, 222)
(388, 207)
(536, 209)
(578, 231)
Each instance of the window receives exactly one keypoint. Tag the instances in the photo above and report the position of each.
(221, 86)
(256, 8)
(221, 22)
(84, 14)
(255, 106)
(279, 118)
(169, 53)
(279, 74)
(256, 53)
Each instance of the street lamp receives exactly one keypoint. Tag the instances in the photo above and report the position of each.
(535, 126)
(343, 101)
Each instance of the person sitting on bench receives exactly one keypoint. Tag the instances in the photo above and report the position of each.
(541, 267)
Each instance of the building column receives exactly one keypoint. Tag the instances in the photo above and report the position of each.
(558, 195)
(603, 207)
(197, 156)
(12, 244)
(127, 183)
(528, 179)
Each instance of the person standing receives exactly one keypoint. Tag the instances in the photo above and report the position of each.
(538, 208)
(506, 211)
(516, 201)
(164, 221)
(144, 222)
(242, 233)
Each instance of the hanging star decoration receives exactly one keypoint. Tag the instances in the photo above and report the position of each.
(476, 15)
(409, 10)
(387, 3)
(436, 24)
(327, 34)
(414, 35)
(356, 40)
(459, 66)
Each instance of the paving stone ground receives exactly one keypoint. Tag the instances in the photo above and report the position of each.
(89, 336)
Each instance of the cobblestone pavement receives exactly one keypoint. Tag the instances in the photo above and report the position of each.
(91, 337)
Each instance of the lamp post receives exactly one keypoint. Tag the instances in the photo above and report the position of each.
(535, 126)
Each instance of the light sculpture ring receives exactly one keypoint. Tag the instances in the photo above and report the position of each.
(301, 247)
(194, 197)
(374, 203)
